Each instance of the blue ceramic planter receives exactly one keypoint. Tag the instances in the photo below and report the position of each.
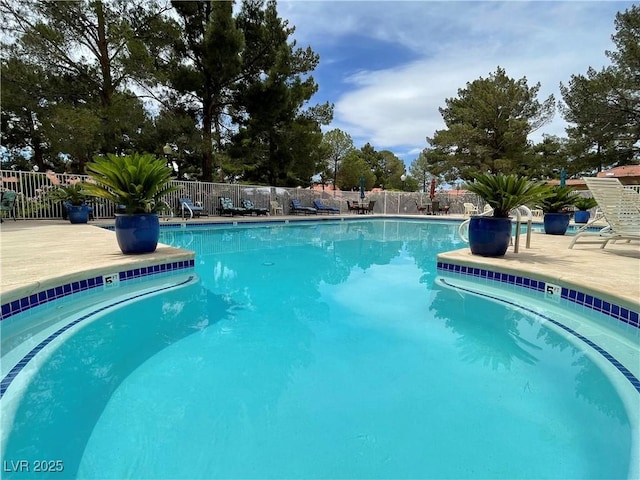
(489, 236)
(581, 216)
(137, 233)
(78, 213)
(556, 223)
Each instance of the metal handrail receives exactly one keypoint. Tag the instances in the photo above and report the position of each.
(463, 228)
(188, 208)
(169, 209)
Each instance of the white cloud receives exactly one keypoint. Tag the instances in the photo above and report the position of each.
(452, 43)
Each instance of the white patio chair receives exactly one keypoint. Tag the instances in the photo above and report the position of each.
(470, 208)
(276, 208)
(619, 206)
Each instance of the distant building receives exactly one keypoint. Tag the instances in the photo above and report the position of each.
(576, 183)
(628, 174)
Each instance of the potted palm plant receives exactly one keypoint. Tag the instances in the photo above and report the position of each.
(489, 236)
(135, 183)
(554, 206)
(583, 204)
(74, 198)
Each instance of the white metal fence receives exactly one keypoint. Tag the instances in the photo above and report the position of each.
(33, 202)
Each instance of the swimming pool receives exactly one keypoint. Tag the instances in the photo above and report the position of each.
(329, 349)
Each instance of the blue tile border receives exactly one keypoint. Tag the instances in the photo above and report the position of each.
(610, 358)
(55, 293)
(17, 368)
(617, 312)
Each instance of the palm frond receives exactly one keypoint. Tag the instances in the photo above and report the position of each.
(503, 193)
(137, 182)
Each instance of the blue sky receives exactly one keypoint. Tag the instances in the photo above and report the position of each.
(387, 66)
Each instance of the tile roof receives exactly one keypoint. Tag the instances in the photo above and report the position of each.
(624, 171)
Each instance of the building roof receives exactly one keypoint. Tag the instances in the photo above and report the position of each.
(624, 171)
(577, 183)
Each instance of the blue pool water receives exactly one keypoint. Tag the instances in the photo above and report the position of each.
(320, 350)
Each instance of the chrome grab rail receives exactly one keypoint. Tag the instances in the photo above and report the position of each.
(184, 205)
(169, 209)
(463, 229)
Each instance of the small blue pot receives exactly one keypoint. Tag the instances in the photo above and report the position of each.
(581, 216)
(137, 233)
(489, 236)
(78, 213)
(556, 223)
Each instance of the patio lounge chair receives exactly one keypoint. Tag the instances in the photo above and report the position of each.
(8, 203)
(297, 207)
(251, 208)
(469, 209)
(621, 209)
(353, 207)
(186, 205)
(424, 209)
(276, 208)
(369, 208)
(435, 207)
(324, 208)
(228, 208)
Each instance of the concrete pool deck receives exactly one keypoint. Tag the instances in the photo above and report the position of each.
(39, 254)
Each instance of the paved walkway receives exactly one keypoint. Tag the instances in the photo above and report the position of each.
(609, 273)
(39, 254)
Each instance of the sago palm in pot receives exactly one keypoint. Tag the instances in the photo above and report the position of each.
(136, 183)
(490, 235)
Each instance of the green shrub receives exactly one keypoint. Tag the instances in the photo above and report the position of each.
(503, 193)
(134, 182)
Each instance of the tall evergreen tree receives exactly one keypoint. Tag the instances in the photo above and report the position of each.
(603, 107)
(420, 170)
(204, 67)
(277, 139)
(89, 53)
(23, 97)
(336, 145)
(549, 157)
(488, 124)
(393, 168)
(626, 61)
(353, 167)
(375, 162)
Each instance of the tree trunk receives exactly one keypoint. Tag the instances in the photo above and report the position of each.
(105, 65)
(207, 142)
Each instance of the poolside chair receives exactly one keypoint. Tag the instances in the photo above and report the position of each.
(228, 208)
(369, 208)
(619, 206)
(251, 208)
(424, 209)
(353, 207)
(276, 208)
(470, 209)
(8, 204)
(297, 207)
(324, 208)
(186, 205)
